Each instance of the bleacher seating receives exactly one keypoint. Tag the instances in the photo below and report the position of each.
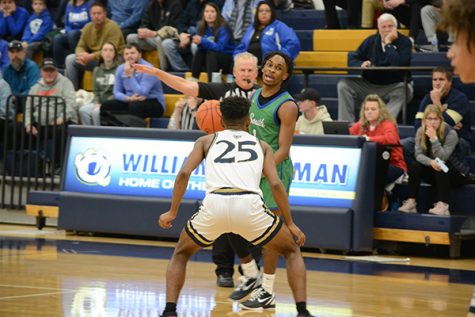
(308, 19)
(430, 59)
(326, 48)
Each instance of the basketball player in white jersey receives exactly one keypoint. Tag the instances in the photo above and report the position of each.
(235, 162)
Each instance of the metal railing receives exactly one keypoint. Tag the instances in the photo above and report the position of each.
(31, 160)
(343, 71)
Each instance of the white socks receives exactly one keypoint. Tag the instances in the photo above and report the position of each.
(268, 282)
(250, 269)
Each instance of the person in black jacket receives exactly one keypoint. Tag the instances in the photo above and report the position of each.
(157, 23)
(386, 48)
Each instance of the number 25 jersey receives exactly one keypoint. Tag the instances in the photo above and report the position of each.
(234, 160)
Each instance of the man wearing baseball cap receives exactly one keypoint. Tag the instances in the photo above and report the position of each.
(40, 113)
(310, 122)
(21, 73)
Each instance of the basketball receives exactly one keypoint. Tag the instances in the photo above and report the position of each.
(208, 117)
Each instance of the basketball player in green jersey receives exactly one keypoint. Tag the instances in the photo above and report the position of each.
(273, 115)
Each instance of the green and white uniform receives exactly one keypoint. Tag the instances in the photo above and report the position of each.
(265, 126)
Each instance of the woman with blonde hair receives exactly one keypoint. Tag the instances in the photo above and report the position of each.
(377, 124)
(439, 161)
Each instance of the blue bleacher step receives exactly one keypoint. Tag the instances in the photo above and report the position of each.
(43, 198)
(418, 221)
(159, 123)
(309, 19)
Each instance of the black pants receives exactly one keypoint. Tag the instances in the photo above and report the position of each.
(410, 15)
(143, 109)
(352, 7)
(50, 140)
(442, 181)
(212, 62)
(226, 246)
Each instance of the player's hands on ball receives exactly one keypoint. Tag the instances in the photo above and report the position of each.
(297, 234)
(165, 220)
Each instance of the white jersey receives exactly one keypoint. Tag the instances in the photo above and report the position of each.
(235, 160)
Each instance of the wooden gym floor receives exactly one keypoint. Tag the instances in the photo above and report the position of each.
(49, 273)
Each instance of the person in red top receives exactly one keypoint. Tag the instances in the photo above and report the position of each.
(378, 125)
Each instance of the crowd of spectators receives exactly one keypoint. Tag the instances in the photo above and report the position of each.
(108, 37)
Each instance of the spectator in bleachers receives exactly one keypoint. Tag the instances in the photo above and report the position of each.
(5, 93)
(55, 9)
(21, 73)
(4, 60)
(215, 44)
(52, 83)
(103, 83)
(158, 23)
(312, 113)
(12, 20)
(430, 17)
(386, 48)
(75, 18)
(369, 8)
(178, 50)
(93, 35)
(352, 7)
(37, 26)
(5, 119)
(183, 116)
(454, 106)
(436, 140)
(239, 15)
(135, 93)
(43, 117)
(407, 12)
(267, 34)
(127, 14)
(377, 124)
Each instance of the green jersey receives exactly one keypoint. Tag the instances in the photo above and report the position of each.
(264, 120)
(265, 126)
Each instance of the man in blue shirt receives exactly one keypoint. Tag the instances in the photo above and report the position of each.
(135, 93)
(386, 48)
(127, 14)
(21, 73)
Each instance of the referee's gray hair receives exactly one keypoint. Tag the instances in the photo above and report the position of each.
(387, 16)
(245, 55)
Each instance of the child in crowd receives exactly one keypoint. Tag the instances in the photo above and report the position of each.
(103, 81)
(313, 114)
(183, 117)
(37, 26)
(75, 18)
(13, 19)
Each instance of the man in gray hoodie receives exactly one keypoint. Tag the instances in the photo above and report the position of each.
(52, 83)
(44, 116)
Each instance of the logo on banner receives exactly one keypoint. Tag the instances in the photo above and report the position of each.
(93, 168)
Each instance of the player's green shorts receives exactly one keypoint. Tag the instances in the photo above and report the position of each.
(285, 170)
